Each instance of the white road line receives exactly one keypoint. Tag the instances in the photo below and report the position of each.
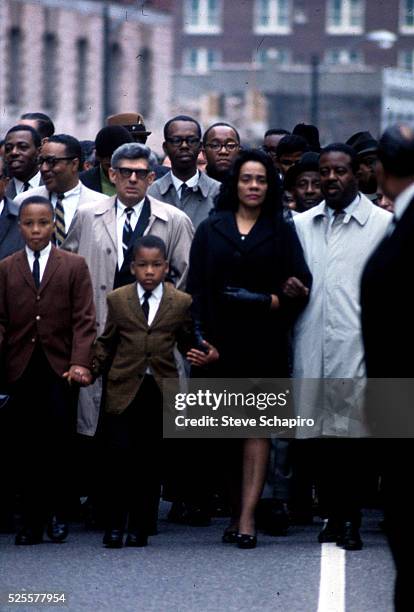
(332, 579)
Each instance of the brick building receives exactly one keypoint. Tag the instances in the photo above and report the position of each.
(250, 61)
(52, 60)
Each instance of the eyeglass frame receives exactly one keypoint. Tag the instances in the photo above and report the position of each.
(52, 161)
(177, 141)
(217, 146)
(139, 172)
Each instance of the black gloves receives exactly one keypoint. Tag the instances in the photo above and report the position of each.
(243, 296)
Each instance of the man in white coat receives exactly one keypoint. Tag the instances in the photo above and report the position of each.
(105, 233)
(338, 235)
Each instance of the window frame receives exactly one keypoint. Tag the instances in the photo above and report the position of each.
(273, 27)
(204, 15)
(346, 26)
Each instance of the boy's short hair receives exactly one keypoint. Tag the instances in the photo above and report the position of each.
(36, 199)
(150, 242)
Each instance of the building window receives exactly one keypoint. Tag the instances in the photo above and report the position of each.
(272, 16)
(407, 16)
(145, 71)
(406, 60)
(81, 67)
(202, 16)
(271, 54)
(344, 57)
(114, 71)
(345, 17)
(201, 60)
(49, 68)
(14, 63)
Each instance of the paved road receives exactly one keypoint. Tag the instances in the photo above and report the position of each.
(188, 569)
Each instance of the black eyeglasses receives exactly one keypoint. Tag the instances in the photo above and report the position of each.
(140, 173)
(217, 146)
(52, 161)
(177, 141)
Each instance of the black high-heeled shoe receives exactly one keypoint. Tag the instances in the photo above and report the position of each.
(245, 540)
(229, 536)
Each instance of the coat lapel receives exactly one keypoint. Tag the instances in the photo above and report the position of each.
(53, 263)
(25, 270)
(165, 304)
(108, 216)
(135, 306)
(262, 230)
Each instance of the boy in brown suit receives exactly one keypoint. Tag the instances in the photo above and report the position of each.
(145, 321)
(47, 330)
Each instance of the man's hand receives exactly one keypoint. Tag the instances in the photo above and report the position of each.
(238, 294)
(78, 374)
(294, 288)
(201, 358)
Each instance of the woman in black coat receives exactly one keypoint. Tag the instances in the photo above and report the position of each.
(249, 280)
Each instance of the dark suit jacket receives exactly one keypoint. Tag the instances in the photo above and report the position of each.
(387, 314)
(60, 315)
(129, 345)
(10, 237)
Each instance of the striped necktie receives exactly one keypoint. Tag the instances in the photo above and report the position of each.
(127, 231)
(60, 233)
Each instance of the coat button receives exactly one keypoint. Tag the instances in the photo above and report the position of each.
(37, 317)
(33, 340)
(103, 287)
(38, 298)
(109, 251)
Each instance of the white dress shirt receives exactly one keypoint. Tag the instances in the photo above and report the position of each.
(178, 183)
(120, 220)
(70, 203)
(44, 256)
(1, 206)
(33, 182)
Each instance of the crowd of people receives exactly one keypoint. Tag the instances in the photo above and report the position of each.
(223, 261)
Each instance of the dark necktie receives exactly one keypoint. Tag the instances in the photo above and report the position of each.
(36, 269)
(145, 303)
(26, 186)
(185, 190)
(60, 229)
(127, 231)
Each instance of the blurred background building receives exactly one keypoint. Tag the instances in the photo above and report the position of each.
(343, 64)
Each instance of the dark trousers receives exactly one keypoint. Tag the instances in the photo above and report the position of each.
(132, 446)
(42, 427)
(338, 477)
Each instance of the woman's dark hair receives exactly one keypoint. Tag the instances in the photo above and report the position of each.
(228, 199)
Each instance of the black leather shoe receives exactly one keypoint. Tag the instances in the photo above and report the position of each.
(136, 538)
(113, 538)
(244, 540)
(349, 539)
(229, 536)
(329, 532)
(57, 531)
(27, 536)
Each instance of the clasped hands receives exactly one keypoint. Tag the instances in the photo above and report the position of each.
(78, 374)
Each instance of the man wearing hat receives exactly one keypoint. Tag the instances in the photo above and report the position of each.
(134, 123)
(107, 140)
(365, 146)
(302, 180)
